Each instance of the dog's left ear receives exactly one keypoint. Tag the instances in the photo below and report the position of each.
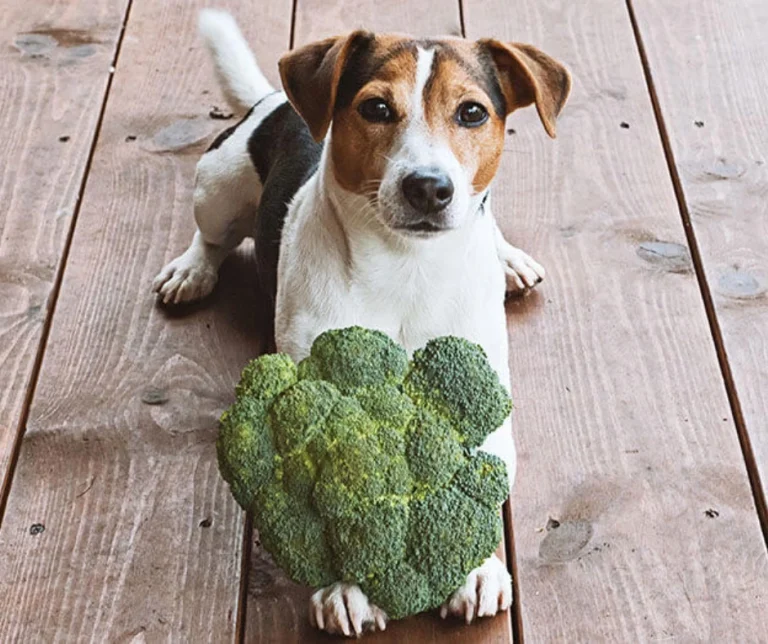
(311, 76)
(527, 75)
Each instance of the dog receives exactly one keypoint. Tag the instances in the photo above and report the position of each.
(366, 186)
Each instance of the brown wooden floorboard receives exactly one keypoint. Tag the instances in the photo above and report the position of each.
(54, 71)
(634, 519)
(141, 536)
(277, 609)
(708, 61)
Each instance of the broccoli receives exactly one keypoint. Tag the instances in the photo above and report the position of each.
(361, 466)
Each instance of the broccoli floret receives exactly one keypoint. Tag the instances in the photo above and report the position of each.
(371, 541)
(298, 473)
(451, 377)
(450, 534)
(300, 412)
(245, 449)
(354, 472)
(434, 452)
(294, 535)
(360, 466)
(387, 405)
(400, 588)
(355, 357)
(484, 478)
(266, 377)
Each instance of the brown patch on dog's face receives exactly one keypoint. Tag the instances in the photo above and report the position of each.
(458, 81)
(360, 148)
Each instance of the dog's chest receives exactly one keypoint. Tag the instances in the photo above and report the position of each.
(411, 299)
(411, 296)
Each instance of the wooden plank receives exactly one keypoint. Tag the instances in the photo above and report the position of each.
(634, 520)
(316, 19)
(141, 537)
(276, 608)
(55, 69)
(715, 122)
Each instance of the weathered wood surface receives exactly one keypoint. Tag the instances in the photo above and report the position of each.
(633, 514)
(709, 61)
(54, 70)
(141, 536)
(634, 519)
(276, 609)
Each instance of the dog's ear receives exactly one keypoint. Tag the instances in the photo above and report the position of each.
(527, 75)
(311, 76)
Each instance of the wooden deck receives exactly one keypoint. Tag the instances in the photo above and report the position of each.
(640, 366)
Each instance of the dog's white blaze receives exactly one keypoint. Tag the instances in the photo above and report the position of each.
(424, 60)
(418, 147)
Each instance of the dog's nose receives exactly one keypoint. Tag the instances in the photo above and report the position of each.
(428, 190)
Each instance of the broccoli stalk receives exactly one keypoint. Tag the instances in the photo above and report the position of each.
(361, 466)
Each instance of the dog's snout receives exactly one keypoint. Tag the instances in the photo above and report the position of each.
(428, 190)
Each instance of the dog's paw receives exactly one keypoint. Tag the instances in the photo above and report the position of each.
(187, 278)
(343, 609)
(523, 272)
(487, 591)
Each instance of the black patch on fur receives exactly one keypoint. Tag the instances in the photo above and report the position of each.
(285, 156)
(482, 203)
(360, 68)
(491, 84)
(486, 75)
(223, 136)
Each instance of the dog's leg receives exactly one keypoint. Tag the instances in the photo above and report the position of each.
(227, 193)
(522, 271)
(193, 274)
(343, 609)
(487, 590)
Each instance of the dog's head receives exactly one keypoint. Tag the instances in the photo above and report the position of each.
(418, 125)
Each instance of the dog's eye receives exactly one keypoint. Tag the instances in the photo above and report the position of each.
(375, 110)
(471, 114)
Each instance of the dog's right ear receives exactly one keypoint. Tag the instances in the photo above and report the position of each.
(311, 76)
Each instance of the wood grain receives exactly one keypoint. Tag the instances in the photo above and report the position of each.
(54, 70)
(633, 514)
(118, 526)
(316, 19)
(715, 123)
(276, 608)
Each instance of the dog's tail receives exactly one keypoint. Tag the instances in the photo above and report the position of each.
(236, 68)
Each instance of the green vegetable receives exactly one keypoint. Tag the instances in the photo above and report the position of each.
(360, 465)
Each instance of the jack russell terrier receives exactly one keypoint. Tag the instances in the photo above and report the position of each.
(365, 185)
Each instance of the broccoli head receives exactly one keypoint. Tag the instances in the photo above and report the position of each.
(451, 378)
(361, 466)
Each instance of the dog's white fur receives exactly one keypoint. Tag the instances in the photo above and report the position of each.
(341, 264)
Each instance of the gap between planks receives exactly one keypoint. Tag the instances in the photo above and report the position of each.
(7, 481)
(747, 451)
(245, 561)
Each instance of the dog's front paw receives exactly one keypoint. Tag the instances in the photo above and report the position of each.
(187, 278)
(488, 590)
(343, 609)
(523, 272)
